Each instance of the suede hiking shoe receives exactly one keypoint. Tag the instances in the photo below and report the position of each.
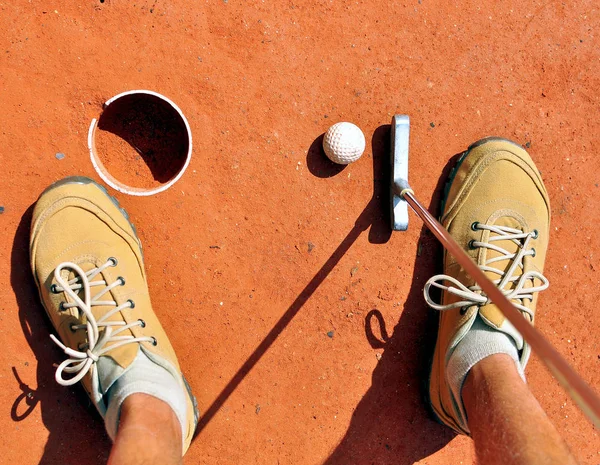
(497, 208)
(88, 266)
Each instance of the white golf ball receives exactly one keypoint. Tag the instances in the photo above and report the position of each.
(344, 143)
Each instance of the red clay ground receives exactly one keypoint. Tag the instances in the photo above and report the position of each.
(247, 240)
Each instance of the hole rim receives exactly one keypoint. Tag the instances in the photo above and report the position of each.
(111, 180)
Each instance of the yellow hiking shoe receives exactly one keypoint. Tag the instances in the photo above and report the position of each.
(87, 263)
(497, 208)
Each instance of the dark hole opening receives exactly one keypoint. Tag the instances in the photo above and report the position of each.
(141, 140)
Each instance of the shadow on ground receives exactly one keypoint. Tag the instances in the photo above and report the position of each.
(373, 217)
(76, 432)
(392, 423)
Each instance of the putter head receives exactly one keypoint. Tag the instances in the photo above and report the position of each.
(399, 179)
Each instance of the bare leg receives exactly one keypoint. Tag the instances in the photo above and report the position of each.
(507, 423)
(149, 433)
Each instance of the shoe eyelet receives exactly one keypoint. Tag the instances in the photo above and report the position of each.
(71, 328)
(472, 244)
(53, 289)
(113, 260)
(535, 234)
(142, 323)
(131, 303)
(122, 279)
(475, 226)
(154, 341)
(61, 307)
(533, 250)
(463, 310)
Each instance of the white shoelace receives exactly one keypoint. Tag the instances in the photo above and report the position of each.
(81, 361)
(473, 295)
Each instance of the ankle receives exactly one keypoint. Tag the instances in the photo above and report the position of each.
(487, 375)
(143, 410)
(496, 399)
(149, 431)
(494, 365)
(481, 342)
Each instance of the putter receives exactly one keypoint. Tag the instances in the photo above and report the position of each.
(399, 159)
(402, 195)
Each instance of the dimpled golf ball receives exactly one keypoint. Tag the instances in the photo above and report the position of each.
(344, 143)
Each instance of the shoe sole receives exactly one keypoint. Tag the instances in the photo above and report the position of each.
(447, 187)
(84, 180)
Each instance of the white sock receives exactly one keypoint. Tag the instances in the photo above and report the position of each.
(480, 342)
(142, 376)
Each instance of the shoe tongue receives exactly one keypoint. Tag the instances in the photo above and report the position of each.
(507, 244)
(125, 354)
(490, 313)
(492, 316)
(109, 370)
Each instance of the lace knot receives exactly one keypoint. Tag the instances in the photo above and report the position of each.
(92, 355)
(81, 362)
(473, 295)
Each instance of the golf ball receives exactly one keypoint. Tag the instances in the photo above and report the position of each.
(344, 143)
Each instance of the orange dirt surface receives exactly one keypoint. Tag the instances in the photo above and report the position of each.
(297, 315)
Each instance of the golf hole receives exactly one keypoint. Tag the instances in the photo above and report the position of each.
(141, 143)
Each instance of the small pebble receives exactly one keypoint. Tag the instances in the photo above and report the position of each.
(378, 356)
(1, 209)
(311, 246)
(257, 408)
(60, 156)
(330, 334)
